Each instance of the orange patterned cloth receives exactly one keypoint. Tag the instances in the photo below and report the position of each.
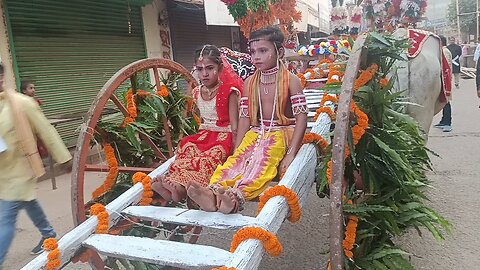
(198, 155)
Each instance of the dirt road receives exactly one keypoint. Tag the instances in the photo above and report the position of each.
(455, 195)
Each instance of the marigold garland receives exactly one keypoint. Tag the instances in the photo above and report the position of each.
(303, 80)
(334, 76)
(163, 92)
(146, 181)
(312, 72)
(324, 61)
(329, 172)
(289, 195)
(53, 257)
(350, 236)
(330, 98)
(362, 123)
(365, 76)
(112, 172)
(189, 104)
(197, 119)
(383, 82)
(317, 139)
(100, 211)
(131, 108)
(269, 241)
(326, 110)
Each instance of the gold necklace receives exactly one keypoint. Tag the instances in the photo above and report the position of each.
(210, 92)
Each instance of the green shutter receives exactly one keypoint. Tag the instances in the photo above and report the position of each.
(71, 48)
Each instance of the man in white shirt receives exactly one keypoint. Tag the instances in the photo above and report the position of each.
(475, 58)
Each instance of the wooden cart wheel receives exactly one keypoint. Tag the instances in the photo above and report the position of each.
(106, 94)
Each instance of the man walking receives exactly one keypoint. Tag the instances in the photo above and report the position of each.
(21, 120)
(456, 51)
(446, 122)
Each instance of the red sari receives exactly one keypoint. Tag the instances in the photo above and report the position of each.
(198, 155)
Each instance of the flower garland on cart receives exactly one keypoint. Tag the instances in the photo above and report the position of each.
(339, 18)
(388, 14)
(385, 161)
(252, 15)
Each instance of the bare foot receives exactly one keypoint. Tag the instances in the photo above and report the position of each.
(157, 186)
(204, 197)
(228, 201)
(178, 191)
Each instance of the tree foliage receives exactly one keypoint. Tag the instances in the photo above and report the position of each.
(465, 6)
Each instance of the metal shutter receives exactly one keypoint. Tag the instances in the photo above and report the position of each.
(71, 48)
(189, 31)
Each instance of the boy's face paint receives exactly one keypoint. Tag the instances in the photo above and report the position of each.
(207, 72)
(264, 54)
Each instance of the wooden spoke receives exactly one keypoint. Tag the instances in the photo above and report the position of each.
(104, 168)
(154, 147)
(119, 104)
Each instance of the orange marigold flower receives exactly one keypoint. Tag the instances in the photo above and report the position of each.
(326, 110)
(330, 98)
(112, 172)
(197, 119)
(50, 244)
(315, 138)
(147, 187)
(383, 82)
(163, 92)
(269, 240)
(350, 236)
(54, 264)
(289, 195)
(325, 61)
(312, 73)
(303, 80)
(53, 254)
(329, 172)
(189, 104)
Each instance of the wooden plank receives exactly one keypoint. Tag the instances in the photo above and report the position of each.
(72, 241)
(299, 177)
(160, 252)
(342, 125)
(104, 168)
(190, 217)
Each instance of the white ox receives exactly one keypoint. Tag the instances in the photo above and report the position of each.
(420, 78)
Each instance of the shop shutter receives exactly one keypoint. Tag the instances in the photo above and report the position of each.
(71, 48)
(189, 31)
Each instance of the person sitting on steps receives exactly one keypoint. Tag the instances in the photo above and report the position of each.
(198, 155)
(273, 119)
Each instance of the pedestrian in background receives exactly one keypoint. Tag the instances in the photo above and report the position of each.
(446, 122)
(456, 52)
(21, 120)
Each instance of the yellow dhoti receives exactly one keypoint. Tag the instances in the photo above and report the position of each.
(254, 163)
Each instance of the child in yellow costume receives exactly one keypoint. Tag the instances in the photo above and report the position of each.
(273, 119)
